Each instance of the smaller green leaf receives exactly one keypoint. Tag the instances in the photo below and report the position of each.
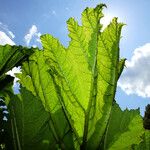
(28, 120)
(32, 125)
(36, 79)
(11, 56)
(145, 144)
(125, 129)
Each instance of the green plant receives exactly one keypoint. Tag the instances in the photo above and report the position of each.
(66, 100)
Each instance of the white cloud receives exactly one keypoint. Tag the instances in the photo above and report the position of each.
(39, 34)
(136, 77)
(38, 37)
(4, 39)
(11, 34)
(4, 28)
(33, 32)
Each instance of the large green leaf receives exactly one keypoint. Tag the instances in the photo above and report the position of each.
(35, 78)
(80, 83)
(28, 119)
(88, 73)
(125, 129)
(32, 126)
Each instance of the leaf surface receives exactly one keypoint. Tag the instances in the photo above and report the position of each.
(88, 73)
(32, 125)
(35, 78)
(145, 144)
(125, 129)
(11, 56)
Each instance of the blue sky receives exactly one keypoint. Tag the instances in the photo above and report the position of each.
(22, 22)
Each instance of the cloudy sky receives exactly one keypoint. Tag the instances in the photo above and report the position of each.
(22, 22)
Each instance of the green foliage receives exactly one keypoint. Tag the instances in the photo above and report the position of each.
(124, 129)
(35, 78)
(67, 94)
(145, 144)
(10, 56)
(32, 124)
